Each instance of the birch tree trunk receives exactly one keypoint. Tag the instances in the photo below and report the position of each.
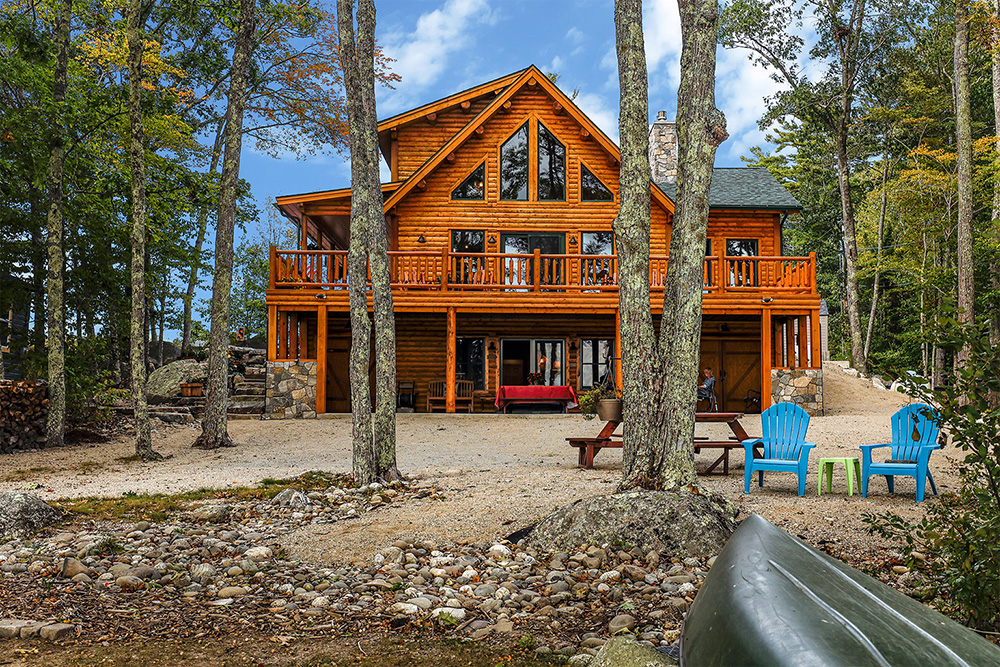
(215, 431)
(143, 441)
(188, 298)
(642, 368)
(366, 212)
(56, 312)
(700, 129)
(963, 134)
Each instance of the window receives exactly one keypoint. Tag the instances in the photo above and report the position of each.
(551, 166)
(470, 361)
(597, 358)
(466, 241)
(519, 271)
(591, 187)
(598, 243)
(473, 187)
(742, 272)
(599, 269)
(514, 166)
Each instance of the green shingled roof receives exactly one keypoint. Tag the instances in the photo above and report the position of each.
(744, 187)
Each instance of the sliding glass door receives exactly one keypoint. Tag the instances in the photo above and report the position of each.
(519, 271)
(532, 361)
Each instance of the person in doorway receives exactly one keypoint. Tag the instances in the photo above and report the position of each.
(706, 390)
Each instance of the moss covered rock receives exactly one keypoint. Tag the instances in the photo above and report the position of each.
(674, 523)
(624, 651)
(165, 382)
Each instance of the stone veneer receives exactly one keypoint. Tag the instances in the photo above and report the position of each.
(802, 386)
(291, 390)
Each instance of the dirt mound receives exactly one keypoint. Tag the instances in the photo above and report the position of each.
(844, 394)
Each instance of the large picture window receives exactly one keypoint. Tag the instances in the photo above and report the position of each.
(470, 361)
(468, 240)
(551, 166)
(597, 358)
(514, 166)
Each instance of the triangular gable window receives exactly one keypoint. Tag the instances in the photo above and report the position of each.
(591, 187)
(474, 186)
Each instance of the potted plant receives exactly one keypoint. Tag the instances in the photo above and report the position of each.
(603, 401)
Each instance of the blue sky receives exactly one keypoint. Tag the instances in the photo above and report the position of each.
(443, 46)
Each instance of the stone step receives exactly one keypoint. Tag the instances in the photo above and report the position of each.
(173, 417)
(247, 415)
(244, 390)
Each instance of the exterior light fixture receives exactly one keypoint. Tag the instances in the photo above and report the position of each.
(421, 239)
(766, 299)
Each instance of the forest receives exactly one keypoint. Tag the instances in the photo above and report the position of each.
(866, 134)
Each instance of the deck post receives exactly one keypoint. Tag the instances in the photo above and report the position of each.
(272, 262)
(449, 361)
(803, 342)
(293, 336)
(765, 359)
(445, 260)
(790, 340)
(321, 335)
(272, 332)
(536, 278)
(817, 354)
(618, 349)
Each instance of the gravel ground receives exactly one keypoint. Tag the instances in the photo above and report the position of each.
(498, 472)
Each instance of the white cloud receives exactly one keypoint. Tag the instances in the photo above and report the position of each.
(575, 35)
(422, 55)
(555, 66)
(661, 27)
(604, 115)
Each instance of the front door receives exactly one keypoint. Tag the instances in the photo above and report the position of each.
(532, 361)
(736, 365)
(338, 378)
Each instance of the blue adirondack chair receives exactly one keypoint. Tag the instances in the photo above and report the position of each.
(784, 444)
(914, 437)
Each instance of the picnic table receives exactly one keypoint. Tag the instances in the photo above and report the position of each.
(607, 438)
(530, 394)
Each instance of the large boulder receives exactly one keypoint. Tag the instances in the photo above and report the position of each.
(22, 514)
(677, 524)
(165, 382)
(625, 651)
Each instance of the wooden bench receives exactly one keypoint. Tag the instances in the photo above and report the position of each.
(588, 448)
(436, 395)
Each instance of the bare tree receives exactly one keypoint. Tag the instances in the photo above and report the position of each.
(56, 426)
(374, 441)
(133, 29)
(659, 381)
(215, 432)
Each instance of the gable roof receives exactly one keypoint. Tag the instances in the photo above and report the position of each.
(744, 188)
(534, 76)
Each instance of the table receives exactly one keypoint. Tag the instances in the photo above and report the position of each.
(589, 447)
(732, 419)
(533, 394)
(851, 464)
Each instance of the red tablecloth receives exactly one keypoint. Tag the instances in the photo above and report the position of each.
(521, 394)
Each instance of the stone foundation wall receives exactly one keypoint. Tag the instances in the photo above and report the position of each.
(802, 386)
(291, 390)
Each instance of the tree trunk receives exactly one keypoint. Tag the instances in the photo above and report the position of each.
(878, 255)
(366, 212)
(700, 129)
(215, 431)
(143, 439)
(56, 343)
(199, 243)
(642, 368)
(995, 264)
(963, 132)
(858, 358)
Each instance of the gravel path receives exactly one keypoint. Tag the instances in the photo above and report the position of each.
(498, 472)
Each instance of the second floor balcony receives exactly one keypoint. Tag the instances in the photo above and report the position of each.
(537, 274)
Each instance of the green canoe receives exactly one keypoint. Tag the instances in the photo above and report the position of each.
(772, 600)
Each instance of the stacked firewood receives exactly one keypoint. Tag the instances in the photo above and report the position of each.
(23, 410)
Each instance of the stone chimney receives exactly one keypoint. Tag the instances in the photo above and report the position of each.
(663, 149)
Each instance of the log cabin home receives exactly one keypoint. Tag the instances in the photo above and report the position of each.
(499, 210)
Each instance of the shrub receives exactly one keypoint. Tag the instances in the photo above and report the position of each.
(589, 399)
(958, 535)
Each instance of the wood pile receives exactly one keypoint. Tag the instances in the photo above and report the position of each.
(24, 407)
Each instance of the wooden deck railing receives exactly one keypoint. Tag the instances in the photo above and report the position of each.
(508, 272)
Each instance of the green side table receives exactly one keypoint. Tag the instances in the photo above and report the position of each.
(851, 464)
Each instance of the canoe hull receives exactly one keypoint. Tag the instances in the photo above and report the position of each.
(771, 599)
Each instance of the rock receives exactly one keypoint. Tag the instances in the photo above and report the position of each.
(72, 567)
(900, 569)
(258, 553)
(212, 513)
(624, 651)
(31, 628)
(231, 592)
(57, 631)
(499, 552)
(129, 583)
(447, 615)
(82, 578)
(165, 382)
(404, 608)
(143, 572)
(321, 601)
(291, 498)
(672, 523)
(580, 659)
(22, 514)
(621, 622)
(10, 627)
(202, 572)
